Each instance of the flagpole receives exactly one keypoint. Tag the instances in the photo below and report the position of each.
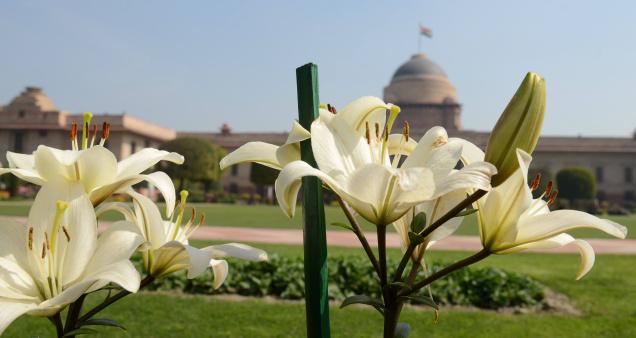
(419, 43)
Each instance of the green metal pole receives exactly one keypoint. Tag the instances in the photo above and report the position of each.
(314, 231)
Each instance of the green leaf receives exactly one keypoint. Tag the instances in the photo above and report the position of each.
(366, 300)
(402, 330)
(342, 225)
(466, 212)
(423, 300)
(415, 238)
(419, 222)
(103, 322)
(80, 331)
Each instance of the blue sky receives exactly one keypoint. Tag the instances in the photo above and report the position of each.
(193, 65)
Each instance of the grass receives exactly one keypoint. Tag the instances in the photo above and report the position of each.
(264, 216)
(606, 296)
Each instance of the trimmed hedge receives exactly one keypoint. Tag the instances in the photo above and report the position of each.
(282, 277)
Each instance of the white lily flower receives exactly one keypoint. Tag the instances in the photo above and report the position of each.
(167, 248)
(510, 220)
(95, 167)
(57, 257)
(352, 151)
(268, 154)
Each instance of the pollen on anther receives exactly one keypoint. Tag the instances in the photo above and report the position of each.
(553, 197)
(202, 219)
(105, 130)
(548, 188)
(68, 237)
(377, 131)
(43, 250)
(46, 241)
(406, 130)
(31, 238)
(367, 134)
(535, 182)
(73, 133)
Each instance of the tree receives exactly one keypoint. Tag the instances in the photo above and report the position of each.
(201, 161)
(262, 176)
(576, 183)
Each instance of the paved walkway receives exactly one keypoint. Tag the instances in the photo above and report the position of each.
(348, 239)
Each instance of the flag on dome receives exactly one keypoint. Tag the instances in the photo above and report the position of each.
(426, 31)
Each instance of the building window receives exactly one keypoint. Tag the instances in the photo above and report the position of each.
(630, 195)
(133, 147)
(42, 133)
(21, 113)
(599, 174)
(629, 175)
(234, 170)
(18, 142)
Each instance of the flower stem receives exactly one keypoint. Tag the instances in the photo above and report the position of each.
(358, 232)
(381, 231)
(453, 212)
(445, 271)
(110, 300)
(57, 321)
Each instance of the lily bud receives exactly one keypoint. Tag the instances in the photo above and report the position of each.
(518, 127)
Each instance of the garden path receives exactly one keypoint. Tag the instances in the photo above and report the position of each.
(348, 239)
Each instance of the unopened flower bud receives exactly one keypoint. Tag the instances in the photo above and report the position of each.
(518, 127)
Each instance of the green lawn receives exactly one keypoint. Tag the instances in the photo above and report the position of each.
(606, 296)
(263, 216)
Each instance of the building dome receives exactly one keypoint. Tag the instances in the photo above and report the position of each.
(420, 81)
(418, 66)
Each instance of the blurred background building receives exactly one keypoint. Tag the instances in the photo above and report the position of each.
(419, 86)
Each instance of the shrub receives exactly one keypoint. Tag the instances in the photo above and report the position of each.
(576, 183)
(283, 277)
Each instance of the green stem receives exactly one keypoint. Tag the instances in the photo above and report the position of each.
(381, 231)
(358, 232)
(73, 313)
(391, 317)
(57, 321)
(121, 294)
(403, 262)
(445, 271)
(453, 212)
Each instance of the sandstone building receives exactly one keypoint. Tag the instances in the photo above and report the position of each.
(419, 86)
(31, 119)
(427, 98)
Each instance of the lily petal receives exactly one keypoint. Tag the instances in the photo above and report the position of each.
(259, 152)
(364, 109)
(144, 159)
(237, 250)
(11, 310)
(548, 225)
(585, 250)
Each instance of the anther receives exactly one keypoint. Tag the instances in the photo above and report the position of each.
(405, 131)
(377, 131)
(105, 130)
(202, 219)
(43, 250)
(553, 197)
(46, 241)
(386, 133)
(31, 238)
(535, 182)
(548, 188)
(367, 135)
(332, 109)
(73, 131)
(68, 237)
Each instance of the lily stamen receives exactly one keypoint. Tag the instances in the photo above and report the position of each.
(553, 197)
(74, 136)
(43, 250)
(105, 133)
(548, 188)
(30, 244)
(377, 131)
(535, 182)
(331, 109)
(366, 133)
(405, 131)
(93, 135)
(68, 237)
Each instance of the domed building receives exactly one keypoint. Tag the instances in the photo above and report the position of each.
(427, 98)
